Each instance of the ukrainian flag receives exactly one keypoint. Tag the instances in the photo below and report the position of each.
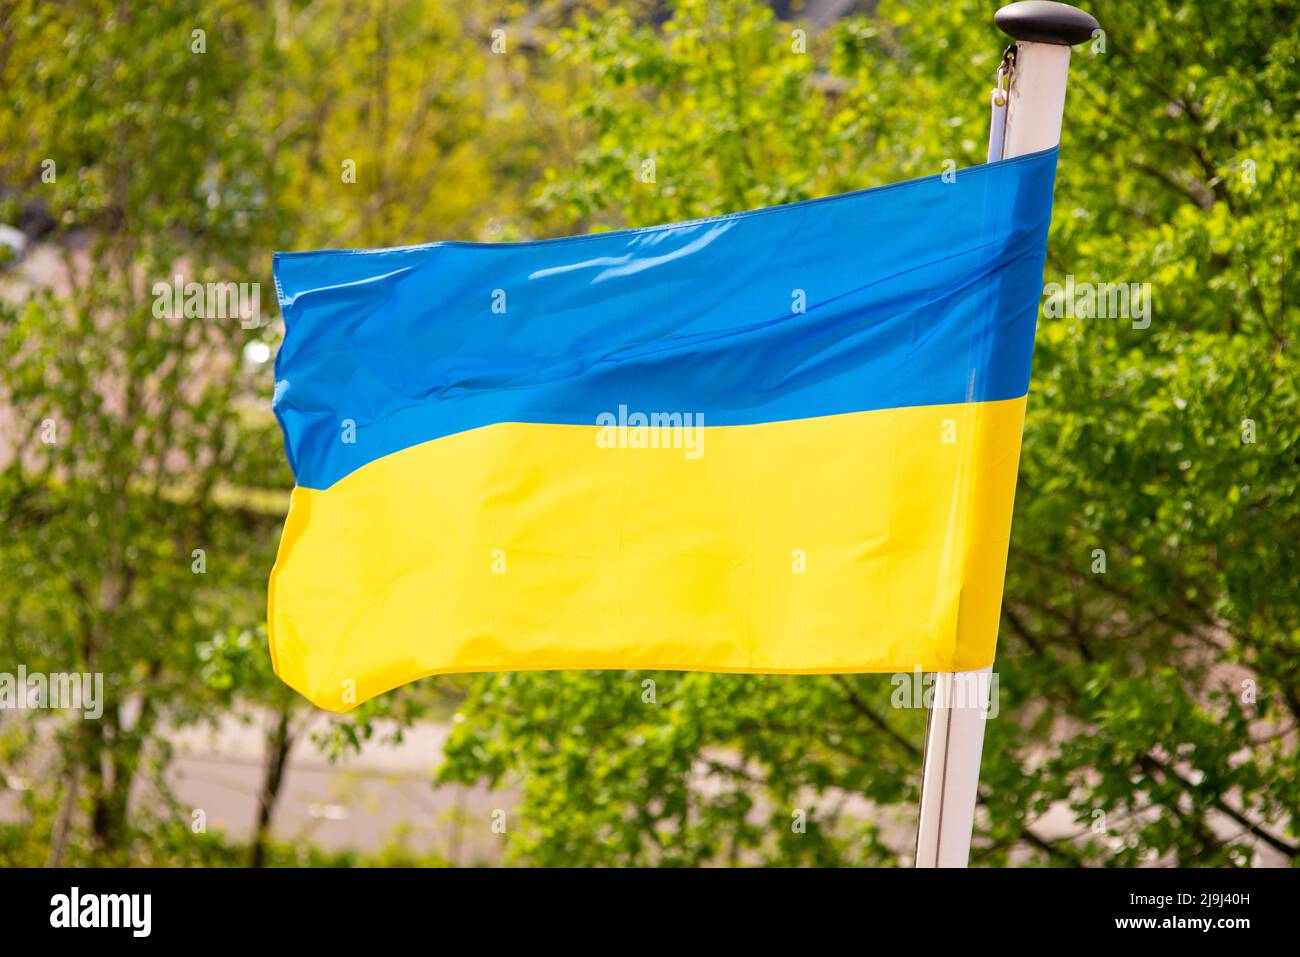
(783, 441)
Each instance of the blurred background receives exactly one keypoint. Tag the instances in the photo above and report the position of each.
(1149, 658)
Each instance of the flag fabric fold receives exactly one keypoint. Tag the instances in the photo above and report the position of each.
(778, 441)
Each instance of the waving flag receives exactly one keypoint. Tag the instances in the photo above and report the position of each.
(781, 441)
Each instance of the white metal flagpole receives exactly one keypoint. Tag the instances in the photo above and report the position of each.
(1039, 64)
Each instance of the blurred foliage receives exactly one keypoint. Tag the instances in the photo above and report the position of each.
(1160, 698)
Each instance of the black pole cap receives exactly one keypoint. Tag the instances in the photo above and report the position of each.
(1041, 21)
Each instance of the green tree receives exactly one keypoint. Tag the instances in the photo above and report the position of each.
(142, 476)
(1156, 700)
(127, 539)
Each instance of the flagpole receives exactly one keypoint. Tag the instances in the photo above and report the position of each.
(1039, 64)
